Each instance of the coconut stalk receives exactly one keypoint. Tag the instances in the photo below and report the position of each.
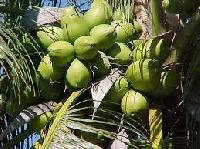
(157, 27)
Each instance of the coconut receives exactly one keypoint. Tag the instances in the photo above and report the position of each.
(41, 121)
(61, 53)
(121, 53)
(101, 65)
(118, 90)
(134, 103)
(125, 31)
(76, 28)
(67, 15)
(48, 71)
(168, 82)
(144, 75)
(86, 47)
(105, 35)
(50, 34)
(153, 49)
(99, 13)
(78, 75)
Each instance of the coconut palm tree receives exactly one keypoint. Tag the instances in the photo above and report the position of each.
(77, 120)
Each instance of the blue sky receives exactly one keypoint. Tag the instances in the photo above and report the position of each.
(82, 4)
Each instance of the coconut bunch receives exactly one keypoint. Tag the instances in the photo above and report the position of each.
(77, 51)
(85, 47)
(144, 78)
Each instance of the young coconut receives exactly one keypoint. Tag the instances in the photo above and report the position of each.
(153, 49)
(67, 15)
(134, 103)
(78, 75)
(168, 82)
(99, 13)
(117, 91)
(48, 71)
(61, 53)
(125, 31)
(86, 47)
(144, 75)
(76, 28)
(41, 121)
(100, 65)
(105, 35)
(50, 34)
(121, 53)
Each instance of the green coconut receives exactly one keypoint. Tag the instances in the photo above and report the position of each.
(67, 15)
(50, 34)
(134, 103)
(105, 35)
(99, 13)
(86, 47)
(144, 75)
(78, 75)
(125, 31)
(118, 90)
(41, 121)
(168, 82)
(76, 28)
(100, 65)
(61, 53)
(154, 48)
(48, 71)
(121, 53)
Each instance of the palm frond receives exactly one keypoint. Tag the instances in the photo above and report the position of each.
(71, 125)
(17, 59)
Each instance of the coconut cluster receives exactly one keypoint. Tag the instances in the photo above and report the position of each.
(77, 51)
(85, 47)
